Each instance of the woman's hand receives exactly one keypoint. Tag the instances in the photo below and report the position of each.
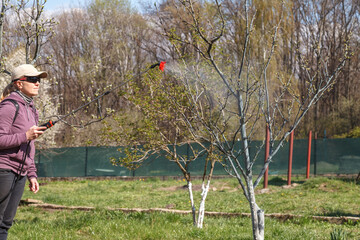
(34, 185)
(34, 132)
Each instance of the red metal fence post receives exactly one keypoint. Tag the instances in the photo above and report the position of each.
(267, 149)
(308, 157)
(291, 146)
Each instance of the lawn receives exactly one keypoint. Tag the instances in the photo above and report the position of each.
(315, 197)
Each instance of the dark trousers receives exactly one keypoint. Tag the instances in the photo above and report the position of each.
(10, 195)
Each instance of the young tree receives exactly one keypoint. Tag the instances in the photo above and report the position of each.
(245, 89)
(157, 126)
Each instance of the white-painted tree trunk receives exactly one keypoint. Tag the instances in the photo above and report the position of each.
(193, 209)
(257, 214)
(261, 222)
(205, 190)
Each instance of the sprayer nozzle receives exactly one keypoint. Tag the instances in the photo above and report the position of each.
(162, 65)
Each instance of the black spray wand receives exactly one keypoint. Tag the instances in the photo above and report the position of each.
(51, 123)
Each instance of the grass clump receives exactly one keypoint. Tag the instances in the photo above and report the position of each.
(338, 234)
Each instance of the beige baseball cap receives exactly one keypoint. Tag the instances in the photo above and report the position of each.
(27, 70)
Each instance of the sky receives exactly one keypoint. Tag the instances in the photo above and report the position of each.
(52, 5)
(63, 4)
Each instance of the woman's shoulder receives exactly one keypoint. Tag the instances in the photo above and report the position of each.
(8, 111)
(12, 99)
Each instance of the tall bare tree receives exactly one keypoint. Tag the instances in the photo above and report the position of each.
(33, 29)
(4, 8)
(327, 25)
(25, 31)
(96, 48)
(251, 92)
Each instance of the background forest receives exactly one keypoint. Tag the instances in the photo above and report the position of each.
(88, 51)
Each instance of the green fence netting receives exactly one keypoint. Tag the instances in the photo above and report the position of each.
(328, 156)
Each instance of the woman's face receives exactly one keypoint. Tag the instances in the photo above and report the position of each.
(30, 89)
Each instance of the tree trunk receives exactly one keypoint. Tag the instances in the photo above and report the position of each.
(2, 16)
(205, 190)
(193, 209)
(257, 214)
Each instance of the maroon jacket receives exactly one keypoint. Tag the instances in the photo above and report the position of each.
(13, 142)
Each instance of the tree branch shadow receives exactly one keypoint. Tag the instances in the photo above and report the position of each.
(279, 181)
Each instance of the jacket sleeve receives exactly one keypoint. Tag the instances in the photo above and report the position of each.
(8, 140)
(32, 168)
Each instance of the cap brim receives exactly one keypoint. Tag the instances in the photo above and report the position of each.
(38, 74)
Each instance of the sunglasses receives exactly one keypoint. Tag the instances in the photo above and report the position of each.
(30, 79)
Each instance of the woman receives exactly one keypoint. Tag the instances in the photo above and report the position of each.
(17, 133)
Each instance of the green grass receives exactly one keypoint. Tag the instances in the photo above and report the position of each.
(317, 196)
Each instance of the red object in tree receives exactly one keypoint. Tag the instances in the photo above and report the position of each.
(162, 66)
